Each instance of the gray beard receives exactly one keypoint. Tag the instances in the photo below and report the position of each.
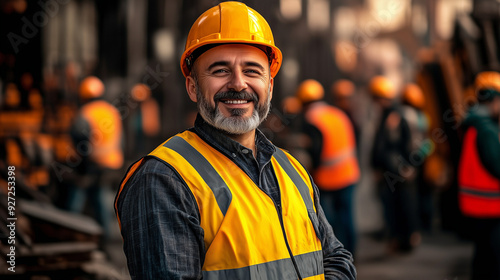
(236, 123)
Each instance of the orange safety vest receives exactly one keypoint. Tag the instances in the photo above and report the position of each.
(479, 191)
(339, 166)
(245, 236)
(105, 134)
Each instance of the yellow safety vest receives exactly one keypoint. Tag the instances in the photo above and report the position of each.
(245, 236)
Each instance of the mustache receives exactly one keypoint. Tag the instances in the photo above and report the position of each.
(236, 95)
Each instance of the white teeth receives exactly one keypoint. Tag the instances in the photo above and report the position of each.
(236, 101)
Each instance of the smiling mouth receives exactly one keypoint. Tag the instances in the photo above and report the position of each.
(234, 101)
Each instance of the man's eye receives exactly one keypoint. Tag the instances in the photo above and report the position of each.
(252, 71)
(220, 71)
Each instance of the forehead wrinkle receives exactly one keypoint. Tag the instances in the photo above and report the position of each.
(227, 63)
(255, 64)
(218, 63)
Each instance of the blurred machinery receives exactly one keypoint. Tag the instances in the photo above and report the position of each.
(44, 242)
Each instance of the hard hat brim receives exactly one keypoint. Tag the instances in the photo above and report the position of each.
(187, 60)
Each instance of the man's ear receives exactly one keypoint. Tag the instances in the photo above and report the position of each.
(271, 87)
(191, 88)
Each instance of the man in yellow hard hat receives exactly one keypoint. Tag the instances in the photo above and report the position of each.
(219, 201)
(479, 175)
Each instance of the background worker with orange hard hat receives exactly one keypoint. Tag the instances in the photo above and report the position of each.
(144, 121)
(421, 147)
(479, 175)
(333, 152)
(219, 200)
(393, 168)
(97, 139)
(343, 91)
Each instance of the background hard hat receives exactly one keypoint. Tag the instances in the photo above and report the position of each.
(140, 92)
(91, 87)
(12, 95)
(488, 80)
(413, 95)
(382, 87)
(310, 90)
(342, 88)
(230, 22)
(487, 85)
(291, 105)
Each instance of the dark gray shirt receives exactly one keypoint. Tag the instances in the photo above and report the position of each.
(160, 221)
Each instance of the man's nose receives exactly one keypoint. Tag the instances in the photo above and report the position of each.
(237, 82)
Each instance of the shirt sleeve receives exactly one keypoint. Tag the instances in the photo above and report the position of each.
(337, 261)
(160, 225)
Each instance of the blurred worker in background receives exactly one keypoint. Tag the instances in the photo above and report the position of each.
(393, 170)
(219, 200)
(420, 148)
(333, 153)
(145, 122)
(283, 128)
(97, 139)
(479, 175)
(343, 93)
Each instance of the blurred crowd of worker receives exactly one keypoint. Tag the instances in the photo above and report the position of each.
(73, 155)
(71, 152)
(327, 138)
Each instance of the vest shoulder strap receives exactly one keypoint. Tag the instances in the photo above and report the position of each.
(207, 171)
(301, 185)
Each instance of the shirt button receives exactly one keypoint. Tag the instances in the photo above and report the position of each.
(233, 154)
(245, 151)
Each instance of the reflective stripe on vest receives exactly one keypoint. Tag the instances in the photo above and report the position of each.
(279, 269)
(243, 235)
(479, 191)
(339, 166)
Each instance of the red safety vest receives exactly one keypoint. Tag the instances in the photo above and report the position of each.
(339, 166)
(479, 191)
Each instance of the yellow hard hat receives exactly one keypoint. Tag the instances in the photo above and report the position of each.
(140, 92)
(310, 90)
(413, 95)
(382, 87)
(226, 23)
(91, 87)
(342, 88)
(488, 80)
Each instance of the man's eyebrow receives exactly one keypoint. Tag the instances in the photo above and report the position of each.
(226, 63)
(255, 64)
(218, 63)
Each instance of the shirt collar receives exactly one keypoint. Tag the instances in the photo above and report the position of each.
(219, 140)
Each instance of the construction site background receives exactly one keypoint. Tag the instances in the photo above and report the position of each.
(48, 47)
